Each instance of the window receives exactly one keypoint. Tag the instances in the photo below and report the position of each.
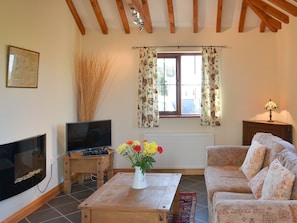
(179, 84)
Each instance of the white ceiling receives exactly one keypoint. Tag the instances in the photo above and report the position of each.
(183, 14)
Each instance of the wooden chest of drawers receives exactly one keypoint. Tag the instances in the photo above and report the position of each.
(280, 129)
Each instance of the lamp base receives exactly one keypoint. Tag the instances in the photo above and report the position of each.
(270, 116)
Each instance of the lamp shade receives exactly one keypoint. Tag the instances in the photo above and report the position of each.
(270, 105)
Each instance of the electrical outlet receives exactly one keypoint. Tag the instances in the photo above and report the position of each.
(51, 161)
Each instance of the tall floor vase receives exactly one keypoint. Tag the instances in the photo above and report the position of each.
(139, 181)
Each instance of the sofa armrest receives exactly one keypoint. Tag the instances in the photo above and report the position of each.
(256, 211)
(226, 155)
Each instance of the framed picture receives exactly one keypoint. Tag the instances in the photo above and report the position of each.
(22, 68)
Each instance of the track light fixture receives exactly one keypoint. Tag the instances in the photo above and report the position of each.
(137, 19)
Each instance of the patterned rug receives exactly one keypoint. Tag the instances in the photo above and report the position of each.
(187, 207)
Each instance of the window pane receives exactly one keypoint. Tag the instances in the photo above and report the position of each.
(167, 69)
(190, 84)
(191, 69)
(167, 102)
(191, 99)
(167, 84)
(161, 71)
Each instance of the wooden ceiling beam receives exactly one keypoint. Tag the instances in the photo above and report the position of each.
(195, 16)
(271, 14)
(76, 17)
(270, 22)
(288, 7)
(270, 10)
(171, 16)
(262, 27)
(123, 16)
(219, 16)
(242, 16)
(99, 16)
(147, 16)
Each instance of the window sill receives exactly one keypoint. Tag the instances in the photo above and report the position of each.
(179, 116)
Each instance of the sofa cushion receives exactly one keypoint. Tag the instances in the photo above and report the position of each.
(218, 196)
(254, 160)
(256, 183)
(225, 179)
(289, 160)
(274, 145)
(254, 211)
(278, 183)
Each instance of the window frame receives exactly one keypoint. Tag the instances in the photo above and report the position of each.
(177, 56)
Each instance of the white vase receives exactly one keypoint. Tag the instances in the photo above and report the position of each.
(139, 181)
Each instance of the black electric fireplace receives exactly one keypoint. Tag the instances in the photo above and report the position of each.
(22, 165)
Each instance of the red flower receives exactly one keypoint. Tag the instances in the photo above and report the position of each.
(129, 142)
(160, 149)
(137, 148)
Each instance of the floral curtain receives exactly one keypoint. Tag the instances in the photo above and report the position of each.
(148, 113)
(210, 90)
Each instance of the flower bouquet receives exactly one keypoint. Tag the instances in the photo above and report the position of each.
(140, 153)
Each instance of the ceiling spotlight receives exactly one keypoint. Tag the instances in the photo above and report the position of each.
(133, 11)
(140, 28)
(137, 19)
(140, 21)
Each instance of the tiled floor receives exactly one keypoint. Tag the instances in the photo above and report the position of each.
(63, 208)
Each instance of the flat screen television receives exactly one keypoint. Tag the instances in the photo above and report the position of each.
(90, 135)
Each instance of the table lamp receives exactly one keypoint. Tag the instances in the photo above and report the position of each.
(269, 106)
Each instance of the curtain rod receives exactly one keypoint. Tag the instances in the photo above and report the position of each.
(137, 47)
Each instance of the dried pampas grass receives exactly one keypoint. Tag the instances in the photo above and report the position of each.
(91, 73)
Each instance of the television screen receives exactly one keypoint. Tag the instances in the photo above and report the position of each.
(88, 135)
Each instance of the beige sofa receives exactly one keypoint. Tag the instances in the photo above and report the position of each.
(230, 199)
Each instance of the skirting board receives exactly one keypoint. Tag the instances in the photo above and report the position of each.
(30, 208)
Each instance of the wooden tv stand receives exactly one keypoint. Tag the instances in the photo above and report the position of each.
(76, 163)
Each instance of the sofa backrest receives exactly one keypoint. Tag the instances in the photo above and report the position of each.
(274, 145)
(289, 160)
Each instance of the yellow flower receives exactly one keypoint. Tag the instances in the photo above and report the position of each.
(150, 148)
(121, 148)
(140, 154)
(154, 146)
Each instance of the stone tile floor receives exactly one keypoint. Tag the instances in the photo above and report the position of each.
(63, 208)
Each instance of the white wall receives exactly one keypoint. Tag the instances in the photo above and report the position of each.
(249, 71)
(48, 28)
(254, 69)
(287, 75)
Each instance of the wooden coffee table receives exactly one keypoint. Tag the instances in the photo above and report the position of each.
(116, 201)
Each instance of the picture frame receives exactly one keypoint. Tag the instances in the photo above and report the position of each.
(22, 68)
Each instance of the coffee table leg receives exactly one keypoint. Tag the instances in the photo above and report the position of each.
(176, 203)
(163, 217)
(85, 216)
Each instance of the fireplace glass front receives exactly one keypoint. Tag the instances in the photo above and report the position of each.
(22, 165)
